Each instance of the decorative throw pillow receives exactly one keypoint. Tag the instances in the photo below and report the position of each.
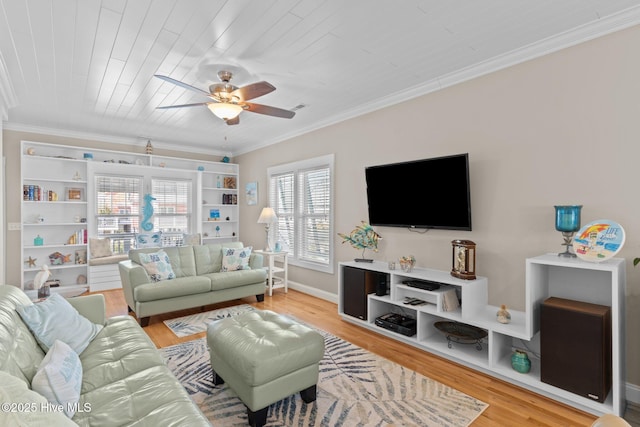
(236, 258)
(149, 240)
(59, 377)
(157, 265)
(13, 389)
(100, 248)
(55, 319)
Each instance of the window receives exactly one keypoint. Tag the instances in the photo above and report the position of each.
(118, 209)
(301, 194)
(171, 209)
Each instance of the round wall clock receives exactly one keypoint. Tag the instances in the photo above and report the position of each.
(599, 240)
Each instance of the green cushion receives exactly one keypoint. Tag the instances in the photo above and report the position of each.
(278, 345)
(233, 279)
(172, 288)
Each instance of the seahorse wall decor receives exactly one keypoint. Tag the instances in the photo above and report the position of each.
(147, 213)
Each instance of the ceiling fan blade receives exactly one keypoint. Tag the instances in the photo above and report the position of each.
(268, 110)
(182, 105)
(183, 85)
(234, 121)
(253, 90)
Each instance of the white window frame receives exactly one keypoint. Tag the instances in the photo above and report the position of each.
(295, 168)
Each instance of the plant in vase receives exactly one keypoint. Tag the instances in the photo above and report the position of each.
(407, 263)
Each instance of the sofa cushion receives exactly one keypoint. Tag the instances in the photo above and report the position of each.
(59, 377)
(157, 265)
(56, 319)
(171, 288)
(233, 279)
(234, 259)
(126, 382)
(208, 258)
(15, 390)
(20, 353)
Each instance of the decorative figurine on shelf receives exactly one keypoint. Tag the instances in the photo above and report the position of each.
(503, 316)
(31, 262)
(407, 263)
(217, 231)
(39, 282)
(147, 212)
(149, 148)
(225, 159)
(362, 237)
(38, 241)
(77, 176)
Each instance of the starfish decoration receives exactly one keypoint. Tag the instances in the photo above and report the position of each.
(66, 258)
(31, 262)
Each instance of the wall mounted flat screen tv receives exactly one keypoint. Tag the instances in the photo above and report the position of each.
(428, 193)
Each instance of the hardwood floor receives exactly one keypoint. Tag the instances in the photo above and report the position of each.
(508, 405)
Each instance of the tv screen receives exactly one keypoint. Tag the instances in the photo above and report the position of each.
(428, 193)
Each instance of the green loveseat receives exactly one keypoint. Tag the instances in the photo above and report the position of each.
(125, 381)
(199, 280)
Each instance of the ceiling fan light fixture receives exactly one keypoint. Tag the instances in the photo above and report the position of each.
(224, 110)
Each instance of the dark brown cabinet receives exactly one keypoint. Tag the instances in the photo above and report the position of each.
(359, 283)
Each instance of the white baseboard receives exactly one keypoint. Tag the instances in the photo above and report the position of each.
(327, 296)
(633, 393)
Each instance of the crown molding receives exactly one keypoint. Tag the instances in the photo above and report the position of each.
(135, 141)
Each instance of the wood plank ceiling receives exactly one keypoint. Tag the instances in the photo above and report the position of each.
(86, 66)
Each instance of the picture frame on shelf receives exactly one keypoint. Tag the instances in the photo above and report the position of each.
(230, 182)
(214, 214)
(74, 194)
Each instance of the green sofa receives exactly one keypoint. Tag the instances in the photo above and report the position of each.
(125, 381)
(199, 280)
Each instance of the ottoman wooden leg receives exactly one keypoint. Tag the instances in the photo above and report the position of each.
(217, 379)
(258, 418)
(308, 395)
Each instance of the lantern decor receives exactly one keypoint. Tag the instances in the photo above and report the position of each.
(568, 222)
(362, 237)
(463, 259)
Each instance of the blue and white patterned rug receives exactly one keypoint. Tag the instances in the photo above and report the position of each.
(195, 323)
(355, 388)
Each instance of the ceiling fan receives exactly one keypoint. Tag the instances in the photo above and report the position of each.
(228, 101)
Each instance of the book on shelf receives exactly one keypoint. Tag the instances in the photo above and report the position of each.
(450, 300)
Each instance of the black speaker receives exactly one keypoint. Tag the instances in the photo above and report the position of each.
(575, 347)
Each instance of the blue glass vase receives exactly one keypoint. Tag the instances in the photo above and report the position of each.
(520, 361)
(568, 222)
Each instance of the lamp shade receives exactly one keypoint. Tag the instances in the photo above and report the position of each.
(267, 216)
(224, 110)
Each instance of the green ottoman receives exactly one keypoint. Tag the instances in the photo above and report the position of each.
(265, 357)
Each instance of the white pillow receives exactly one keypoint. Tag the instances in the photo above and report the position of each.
(236, 258)
(59, 377)
(55, 319)
(15, 390)
(157, 265)
(100, 248)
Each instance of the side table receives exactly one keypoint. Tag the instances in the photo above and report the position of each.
(273, 281)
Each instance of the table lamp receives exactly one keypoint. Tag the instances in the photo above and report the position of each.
(267, 217)
(568, 222)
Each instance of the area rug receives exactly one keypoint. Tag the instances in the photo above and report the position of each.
(355, 388)
(195, 323)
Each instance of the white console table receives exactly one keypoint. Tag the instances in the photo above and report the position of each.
(546, 276)
(274, 281)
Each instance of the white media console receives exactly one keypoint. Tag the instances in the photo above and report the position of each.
(546, 276)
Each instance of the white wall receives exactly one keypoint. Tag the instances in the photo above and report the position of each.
(561, 129)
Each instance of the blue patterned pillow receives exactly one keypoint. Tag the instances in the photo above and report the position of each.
(236, 258)
(157, 265)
